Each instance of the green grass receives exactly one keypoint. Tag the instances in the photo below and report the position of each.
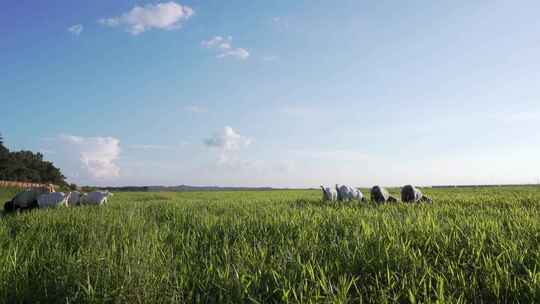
(471, 245)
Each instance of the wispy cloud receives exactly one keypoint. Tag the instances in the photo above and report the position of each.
(225, 47)
(164, 16)
(336, 155)
(195, 109)
(280, 22)
(270, 58)
(302, 111)
(151, 147)
(76, 29)
(518, 117)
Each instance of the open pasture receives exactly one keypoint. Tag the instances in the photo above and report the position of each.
(471, 245)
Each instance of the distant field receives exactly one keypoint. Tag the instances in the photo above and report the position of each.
(471, 245)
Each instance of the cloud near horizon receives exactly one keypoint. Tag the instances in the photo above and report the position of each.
(97, 156)
(164, 16)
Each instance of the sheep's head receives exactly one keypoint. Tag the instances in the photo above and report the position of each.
(325, 193)
(8, 206)
(409, 194)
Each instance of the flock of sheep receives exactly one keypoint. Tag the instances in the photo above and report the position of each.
(47, 197)
(379, 195)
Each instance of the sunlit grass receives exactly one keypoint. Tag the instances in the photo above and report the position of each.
(471, 245)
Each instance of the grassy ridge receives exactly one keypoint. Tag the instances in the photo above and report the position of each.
(478, 245)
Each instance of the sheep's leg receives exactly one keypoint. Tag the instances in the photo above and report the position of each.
(392, 199)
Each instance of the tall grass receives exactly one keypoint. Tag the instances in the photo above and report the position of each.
(478, 245)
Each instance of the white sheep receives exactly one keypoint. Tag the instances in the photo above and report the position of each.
(96, 198)
(54, 199)
(75, 198)
(346, 193)
(329, 194)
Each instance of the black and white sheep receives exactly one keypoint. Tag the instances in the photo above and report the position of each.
(329, 194)
(410, 194)
(380, 195)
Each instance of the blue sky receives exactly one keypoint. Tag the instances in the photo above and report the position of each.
(278, 93)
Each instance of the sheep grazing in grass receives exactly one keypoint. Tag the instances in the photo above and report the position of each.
(410, 194)
(381, 195)
(55, 199)
(24, 200)
(346, 193)
(27, 199)
(96, 198)
(75, 198)
(329, 194)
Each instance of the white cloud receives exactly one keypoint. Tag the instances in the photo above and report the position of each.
(227, 141)
(76, 29)
(165, 16)
(195, 109)
(97, 155)
(217, 41)
(239, 53)
(225, 48)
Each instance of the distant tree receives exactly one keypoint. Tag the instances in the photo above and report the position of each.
(73, 187)
(3, 150)
(88, 189)
(27, 166)
(4, 155)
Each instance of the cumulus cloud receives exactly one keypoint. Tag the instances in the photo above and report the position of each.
(165, 16)
(97, 155)
(227, 141)
(225, 47)
(76, 29)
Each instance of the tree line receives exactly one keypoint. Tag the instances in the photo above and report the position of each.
(27, 166)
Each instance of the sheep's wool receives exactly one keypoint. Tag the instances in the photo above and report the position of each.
(53, 199)
(97, 198)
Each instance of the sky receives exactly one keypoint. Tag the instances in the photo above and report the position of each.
(274, 93)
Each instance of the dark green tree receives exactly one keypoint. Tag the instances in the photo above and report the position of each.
(27, 166)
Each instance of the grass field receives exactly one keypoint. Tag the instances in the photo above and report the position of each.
(471, 245)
